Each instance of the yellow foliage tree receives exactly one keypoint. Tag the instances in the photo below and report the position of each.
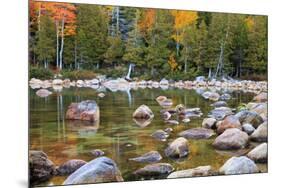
(182, 19)
(172, 62)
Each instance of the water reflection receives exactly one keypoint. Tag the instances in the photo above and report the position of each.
(142, 122)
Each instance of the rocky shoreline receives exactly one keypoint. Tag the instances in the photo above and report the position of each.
(121, 84)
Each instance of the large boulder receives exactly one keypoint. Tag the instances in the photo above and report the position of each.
(43, 93)
(259, 153)
(40, 167)
(259, 108)
(143, 112)
(194, 172)
(246, 116)
(99, 170)
(150, 157)
(57, 82)
(178, 148)
(220, 113)
(85, 110)
(209, 123)
(164, 82)
(70, 166)
(229, 122)
(197, 133)
(260, 134)
(239, 165)
(262, 97)
(232, 138)
(155, 169)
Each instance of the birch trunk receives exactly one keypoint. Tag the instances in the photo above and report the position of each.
(57, 31)
(62, 43)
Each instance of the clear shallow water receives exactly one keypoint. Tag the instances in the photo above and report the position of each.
(117, 134)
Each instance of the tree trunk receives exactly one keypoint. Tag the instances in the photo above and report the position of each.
(39, 18)
(62, 43)
(177, 44)
(75, 55)
(117, 19)
(57, 28)
(210, 73)
(185, 59)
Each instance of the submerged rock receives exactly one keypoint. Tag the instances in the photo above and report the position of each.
(43, 93)
(85, 110)
(168, 130)
(189, 112)
(101, 95)
(232, 138)
(259, 153)
(239, 165)
(155, 169)
(143, 112)
(211, 95)
(99, 170)
(209, 123)
(160, 135)
(194, 172)
(260, 134)
(40, 167)
(197, 133)
(178, 148)
(172, 122)
(150, 157)
(229, 122)
(186, 120)
(70, 166)
(220, 113)
(219, 104)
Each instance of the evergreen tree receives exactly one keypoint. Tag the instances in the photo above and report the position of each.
(91, 34)
(45, 47)
(134, 44)
(157, 51)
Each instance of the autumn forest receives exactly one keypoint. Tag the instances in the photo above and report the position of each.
(179, 44)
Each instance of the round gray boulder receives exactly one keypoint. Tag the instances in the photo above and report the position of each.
(239, 165)
(99, 170)
(232, 138)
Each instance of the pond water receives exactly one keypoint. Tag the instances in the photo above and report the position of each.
(117, 134)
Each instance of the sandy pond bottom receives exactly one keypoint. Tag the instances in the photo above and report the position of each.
(117, 134)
